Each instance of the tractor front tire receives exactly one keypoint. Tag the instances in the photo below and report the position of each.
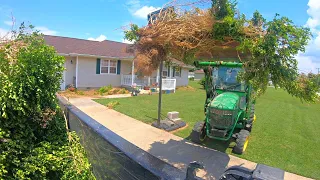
(252, 119)
(242, 141)
(198, 133)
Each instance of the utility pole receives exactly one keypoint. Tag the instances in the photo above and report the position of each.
(318, 70)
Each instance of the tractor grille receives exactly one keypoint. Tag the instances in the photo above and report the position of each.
(222, 118)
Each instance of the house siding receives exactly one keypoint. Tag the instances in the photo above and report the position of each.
(183, 80)
(198, 76)
(87, 76)
(70, 71)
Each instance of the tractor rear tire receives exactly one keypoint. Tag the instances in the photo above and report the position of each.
(242, 141)
(198, 133)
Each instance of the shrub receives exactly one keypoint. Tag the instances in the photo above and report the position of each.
(191, 79)
(34, 141)
(112, 104)
(202, 82)
(104, 89)
(113, 91)
(123, 91)
(80, 92)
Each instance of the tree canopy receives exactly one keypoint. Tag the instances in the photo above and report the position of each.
(267, 49)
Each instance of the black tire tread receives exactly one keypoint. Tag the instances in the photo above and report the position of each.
(196, 132)
(242, 137)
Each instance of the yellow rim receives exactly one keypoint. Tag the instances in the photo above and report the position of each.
(245, 144)
(254, 118)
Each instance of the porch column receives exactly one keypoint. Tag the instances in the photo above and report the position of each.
(158, 74)
(132, 73)
(149, 80)
(77, 69)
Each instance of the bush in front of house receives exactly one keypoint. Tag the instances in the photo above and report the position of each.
(191, 79)
(104, 89)
(34, 140)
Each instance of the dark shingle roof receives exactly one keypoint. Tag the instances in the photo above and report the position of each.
(107, 48)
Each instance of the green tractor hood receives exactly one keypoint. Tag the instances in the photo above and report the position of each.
(226, 101)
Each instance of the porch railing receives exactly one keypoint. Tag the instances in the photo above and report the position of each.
(126, 80)
(167, 84)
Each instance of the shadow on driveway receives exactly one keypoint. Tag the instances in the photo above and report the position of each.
(181, 153)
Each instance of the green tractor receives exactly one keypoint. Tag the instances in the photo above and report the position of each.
(228, 107)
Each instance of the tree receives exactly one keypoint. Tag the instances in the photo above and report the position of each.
(267, 49)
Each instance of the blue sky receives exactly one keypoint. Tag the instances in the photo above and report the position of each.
(104, 19)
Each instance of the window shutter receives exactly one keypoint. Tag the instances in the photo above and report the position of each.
(180, 71)
(98, 66)
(169, 71)
(173, 71)
(118, 66)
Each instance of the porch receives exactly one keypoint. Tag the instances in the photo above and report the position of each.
(130, 80)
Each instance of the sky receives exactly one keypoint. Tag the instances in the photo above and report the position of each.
(105, 19)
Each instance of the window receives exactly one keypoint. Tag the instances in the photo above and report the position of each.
(177, 72)
(164, 73)
(108, 67)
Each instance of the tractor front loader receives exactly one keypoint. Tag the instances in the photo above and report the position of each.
(229, 109)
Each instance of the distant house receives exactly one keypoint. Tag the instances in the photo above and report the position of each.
(93, 64)
(198, 74)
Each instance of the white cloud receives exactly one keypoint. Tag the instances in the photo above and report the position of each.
(137, 10)
(314, 13)
(45, 30)
(144, 11)
(9, 23)
(127, 41)
(307, 64)
(133, 5)
(5, 34)
(310, 60)
(99, 38)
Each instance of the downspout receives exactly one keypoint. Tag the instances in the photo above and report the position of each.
(77, 67)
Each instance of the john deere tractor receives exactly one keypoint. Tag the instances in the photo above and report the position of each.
(228, 107)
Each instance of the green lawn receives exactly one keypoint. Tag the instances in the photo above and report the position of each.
(285, 135)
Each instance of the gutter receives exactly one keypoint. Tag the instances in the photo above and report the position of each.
(129, 58)
(96, 56)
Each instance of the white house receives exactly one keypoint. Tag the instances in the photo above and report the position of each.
(198, 74)
(93, 64)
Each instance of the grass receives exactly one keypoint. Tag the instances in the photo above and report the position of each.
(285, 135)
